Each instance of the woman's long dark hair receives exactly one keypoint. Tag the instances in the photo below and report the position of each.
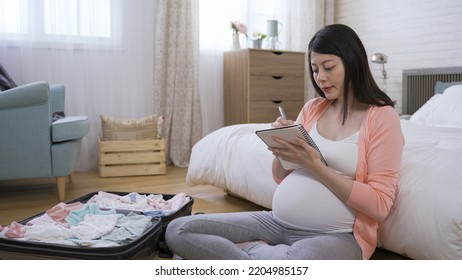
(342, 41)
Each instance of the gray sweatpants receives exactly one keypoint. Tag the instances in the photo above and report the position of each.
(213, 236)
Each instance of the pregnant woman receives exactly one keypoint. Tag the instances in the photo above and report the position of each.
(318, 211)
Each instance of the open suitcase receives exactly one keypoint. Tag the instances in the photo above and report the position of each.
(152, 240)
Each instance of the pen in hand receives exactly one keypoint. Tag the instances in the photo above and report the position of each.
(284, 121)
(282, 113)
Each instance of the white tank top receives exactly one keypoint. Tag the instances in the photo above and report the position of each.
(302, 202)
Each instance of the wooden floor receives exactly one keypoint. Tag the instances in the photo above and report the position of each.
(21, 199)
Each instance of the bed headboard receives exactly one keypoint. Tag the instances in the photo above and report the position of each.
(419, 85)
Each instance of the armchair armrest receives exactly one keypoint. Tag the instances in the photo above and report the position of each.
(70, 128)
(57, 97)
(25, 96)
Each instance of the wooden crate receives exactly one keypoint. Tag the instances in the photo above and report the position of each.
(132, 158)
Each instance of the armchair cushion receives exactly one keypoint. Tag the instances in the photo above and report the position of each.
(57, 96)
(69, 128)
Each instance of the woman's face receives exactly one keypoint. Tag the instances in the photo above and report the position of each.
(329, 74)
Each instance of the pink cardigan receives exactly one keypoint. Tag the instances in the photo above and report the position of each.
(380, 147)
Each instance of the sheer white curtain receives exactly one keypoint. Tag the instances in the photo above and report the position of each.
(101, 50)
(300, 20)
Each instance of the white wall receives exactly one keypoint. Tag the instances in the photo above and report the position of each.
(413, 33)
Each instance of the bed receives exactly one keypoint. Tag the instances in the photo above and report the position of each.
(426, 220)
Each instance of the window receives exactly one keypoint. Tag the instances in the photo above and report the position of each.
(50, 20)
(13, 16)
(90, 18)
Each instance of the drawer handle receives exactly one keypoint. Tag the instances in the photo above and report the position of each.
(278, 53)
(277, 77)
(277, 101)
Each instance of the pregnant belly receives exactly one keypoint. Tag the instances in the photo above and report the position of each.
(302, 202)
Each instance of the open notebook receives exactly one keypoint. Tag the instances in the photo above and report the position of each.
(287, 133)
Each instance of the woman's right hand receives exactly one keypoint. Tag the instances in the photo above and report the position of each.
(281, 121)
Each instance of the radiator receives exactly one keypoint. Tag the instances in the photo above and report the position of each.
(419, 85)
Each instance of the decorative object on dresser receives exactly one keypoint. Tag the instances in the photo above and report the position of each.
(258, 38)
(238, 28)
(274, 28)
(256, 81)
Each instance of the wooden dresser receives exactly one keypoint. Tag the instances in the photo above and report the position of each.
(256, 81)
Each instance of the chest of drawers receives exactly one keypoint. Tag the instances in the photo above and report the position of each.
(257, 81)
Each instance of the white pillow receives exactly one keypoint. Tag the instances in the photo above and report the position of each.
(423, 112)
(442, 109)
(145, 128)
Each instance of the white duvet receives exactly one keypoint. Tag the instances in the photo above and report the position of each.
(426, 220)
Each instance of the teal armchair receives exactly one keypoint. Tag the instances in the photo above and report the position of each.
(31, 144)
